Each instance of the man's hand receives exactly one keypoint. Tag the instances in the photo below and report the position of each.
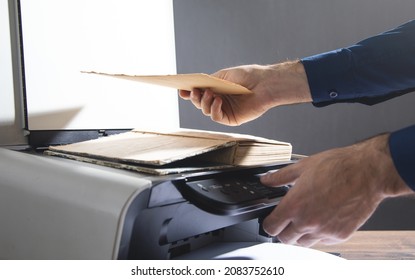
(273, 85)
(334, 193)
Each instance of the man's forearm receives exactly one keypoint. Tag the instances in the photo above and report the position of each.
(287, 83)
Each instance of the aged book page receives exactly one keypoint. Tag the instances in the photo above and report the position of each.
(185, 82)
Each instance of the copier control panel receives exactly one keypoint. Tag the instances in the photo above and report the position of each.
(230, 193)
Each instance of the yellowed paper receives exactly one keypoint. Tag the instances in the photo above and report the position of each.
(165, 147)
(185, 82)
(144, 148)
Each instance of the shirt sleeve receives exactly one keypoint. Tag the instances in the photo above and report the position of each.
(371, 71)
(402, 149)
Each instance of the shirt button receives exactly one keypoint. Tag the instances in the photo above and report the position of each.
(333, 94)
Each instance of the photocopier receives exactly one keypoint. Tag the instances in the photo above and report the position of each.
(56, 208)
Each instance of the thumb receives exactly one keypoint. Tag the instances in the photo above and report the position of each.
(281, 177)
(221, 74)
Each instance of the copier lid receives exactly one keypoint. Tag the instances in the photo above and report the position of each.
(52, 43)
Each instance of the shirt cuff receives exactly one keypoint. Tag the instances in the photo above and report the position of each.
(329, 76)
(402, 149)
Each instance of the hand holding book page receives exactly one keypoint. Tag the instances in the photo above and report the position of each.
(185, 82)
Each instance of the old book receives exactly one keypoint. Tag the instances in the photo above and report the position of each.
(178, 151)
(184, 81)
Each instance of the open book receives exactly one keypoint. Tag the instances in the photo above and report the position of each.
(176, 151)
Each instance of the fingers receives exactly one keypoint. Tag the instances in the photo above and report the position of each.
(292, 235)
(201, 99)
(205, 100)
(217, 113)
(185, 94)
(274, 225)
(280, 222)
(281, 177)
(308, 240)
(279, 219)
(195, 96)
(288, 232)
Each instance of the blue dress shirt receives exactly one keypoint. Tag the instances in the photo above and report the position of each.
(371, 71)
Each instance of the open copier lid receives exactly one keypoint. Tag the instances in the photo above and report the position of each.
(53, 41)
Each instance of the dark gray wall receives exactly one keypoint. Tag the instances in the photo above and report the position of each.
(213, 34)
